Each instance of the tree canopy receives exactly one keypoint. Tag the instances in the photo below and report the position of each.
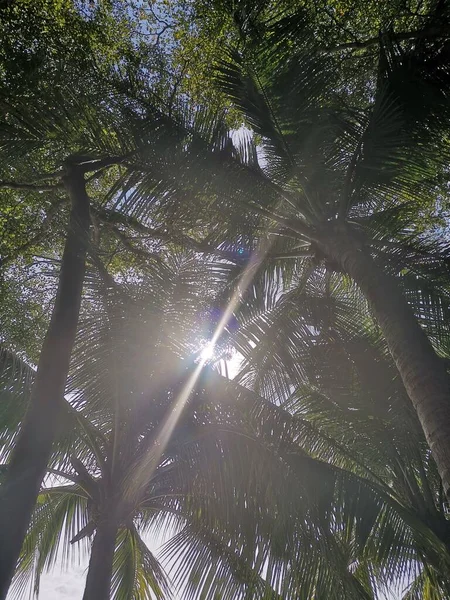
(190, 188)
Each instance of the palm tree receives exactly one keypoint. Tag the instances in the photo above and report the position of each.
(261, 501)
(214, 480)
(342, 155)
(114, 138)
(340, 187)
(328, 365)
(21, 485)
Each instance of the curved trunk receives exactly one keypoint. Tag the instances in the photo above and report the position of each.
(98, 581)
(32, 451)
(422, 371)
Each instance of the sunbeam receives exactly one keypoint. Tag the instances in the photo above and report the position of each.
(145, 469)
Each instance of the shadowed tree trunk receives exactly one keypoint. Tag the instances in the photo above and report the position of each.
(32, 451)
(422, 371)
(98, 581)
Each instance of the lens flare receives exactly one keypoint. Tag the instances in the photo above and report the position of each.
(207, 352)
(144, 471)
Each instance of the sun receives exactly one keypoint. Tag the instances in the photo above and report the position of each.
(207, 352)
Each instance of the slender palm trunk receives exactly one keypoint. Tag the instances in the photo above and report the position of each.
(32, 451)
(422, 371)
(98, 582)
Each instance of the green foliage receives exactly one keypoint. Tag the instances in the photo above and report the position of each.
(308, 477)
(49, 42)
(261, 501)
(194, 34)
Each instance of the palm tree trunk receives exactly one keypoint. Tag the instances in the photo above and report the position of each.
(98, 582)
(33, 448)
(422, 371)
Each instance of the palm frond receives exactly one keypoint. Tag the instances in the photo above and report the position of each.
(60, 513)
(136, 572)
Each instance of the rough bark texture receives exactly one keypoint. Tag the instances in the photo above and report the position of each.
(31, 454)
(98, 581)
(422, 371)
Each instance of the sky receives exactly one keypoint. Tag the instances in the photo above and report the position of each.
(58, 585)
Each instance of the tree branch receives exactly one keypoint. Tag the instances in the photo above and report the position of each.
(431, 33)
(127, 243)
(29, 187)
(86, 165)
(307, 253)
(108, 279)
(113, 218)
(93, 164)
(40, 234)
